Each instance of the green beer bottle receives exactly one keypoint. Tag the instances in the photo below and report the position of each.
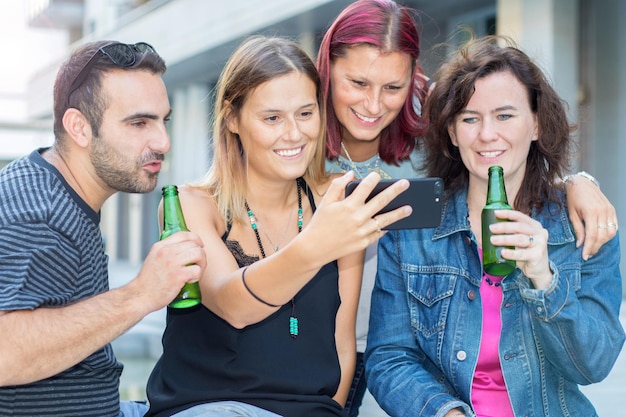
(173, 221)
(493, 263)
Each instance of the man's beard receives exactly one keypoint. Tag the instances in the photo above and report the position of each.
(120, 172)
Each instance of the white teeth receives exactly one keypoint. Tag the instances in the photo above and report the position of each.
(289, 152)
(492, 154)
(366, 119)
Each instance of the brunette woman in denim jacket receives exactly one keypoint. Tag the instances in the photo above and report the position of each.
(446, 340)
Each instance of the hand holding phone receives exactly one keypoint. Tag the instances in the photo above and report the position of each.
(424, 195)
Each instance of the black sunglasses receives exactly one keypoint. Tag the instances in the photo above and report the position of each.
(121, 54)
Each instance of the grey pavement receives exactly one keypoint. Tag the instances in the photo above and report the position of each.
(140, 347)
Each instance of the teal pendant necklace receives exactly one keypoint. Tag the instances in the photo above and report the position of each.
(293, 320)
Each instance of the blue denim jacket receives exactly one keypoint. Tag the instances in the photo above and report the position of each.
(426, 321)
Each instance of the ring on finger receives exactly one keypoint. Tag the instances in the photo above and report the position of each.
(601, 226)
(531, 239)
(378, 229)
(611, 224)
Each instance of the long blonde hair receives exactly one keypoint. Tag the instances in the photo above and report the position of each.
(257, 60)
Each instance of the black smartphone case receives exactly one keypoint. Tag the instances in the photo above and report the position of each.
(425, 195)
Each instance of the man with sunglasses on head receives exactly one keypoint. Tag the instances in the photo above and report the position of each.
(57, 314)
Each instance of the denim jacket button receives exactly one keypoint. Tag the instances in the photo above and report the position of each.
(461, 355)
(468, 240)
(471, 294)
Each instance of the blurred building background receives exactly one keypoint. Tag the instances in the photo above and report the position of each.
(579, 43)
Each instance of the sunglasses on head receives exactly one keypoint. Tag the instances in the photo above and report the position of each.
(121, 54)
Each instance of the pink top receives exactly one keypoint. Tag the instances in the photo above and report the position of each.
(489, 394)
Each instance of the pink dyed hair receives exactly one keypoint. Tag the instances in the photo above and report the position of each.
(391, 28)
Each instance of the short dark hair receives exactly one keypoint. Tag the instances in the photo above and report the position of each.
(88, 96)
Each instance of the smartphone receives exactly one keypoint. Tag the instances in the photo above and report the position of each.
(424, 195)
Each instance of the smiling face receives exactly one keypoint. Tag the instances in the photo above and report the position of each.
(368, 90)
(279, 126)
(496, 127)
(133, 138)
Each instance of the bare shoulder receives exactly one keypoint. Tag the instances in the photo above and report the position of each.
(199, 207)
(194, 193)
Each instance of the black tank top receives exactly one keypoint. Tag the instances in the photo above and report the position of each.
(205, 359)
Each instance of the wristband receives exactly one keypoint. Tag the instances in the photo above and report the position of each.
(584, 175)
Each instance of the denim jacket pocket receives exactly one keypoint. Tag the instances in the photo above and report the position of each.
(430, 293)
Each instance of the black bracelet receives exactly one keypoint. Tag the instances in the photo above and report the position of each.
(243, 279)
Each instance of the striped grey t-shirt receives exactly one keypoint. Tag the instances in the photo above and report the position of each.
(51, 255)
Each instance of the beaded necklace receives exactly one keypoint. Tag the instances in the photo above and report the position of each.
(492, 283)
(293, 320)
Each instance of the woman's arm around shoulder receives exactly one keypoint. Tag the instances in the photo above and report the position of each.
(591, 213)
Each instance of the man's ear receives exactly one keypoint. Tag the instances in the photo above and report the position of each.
(77, 127)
